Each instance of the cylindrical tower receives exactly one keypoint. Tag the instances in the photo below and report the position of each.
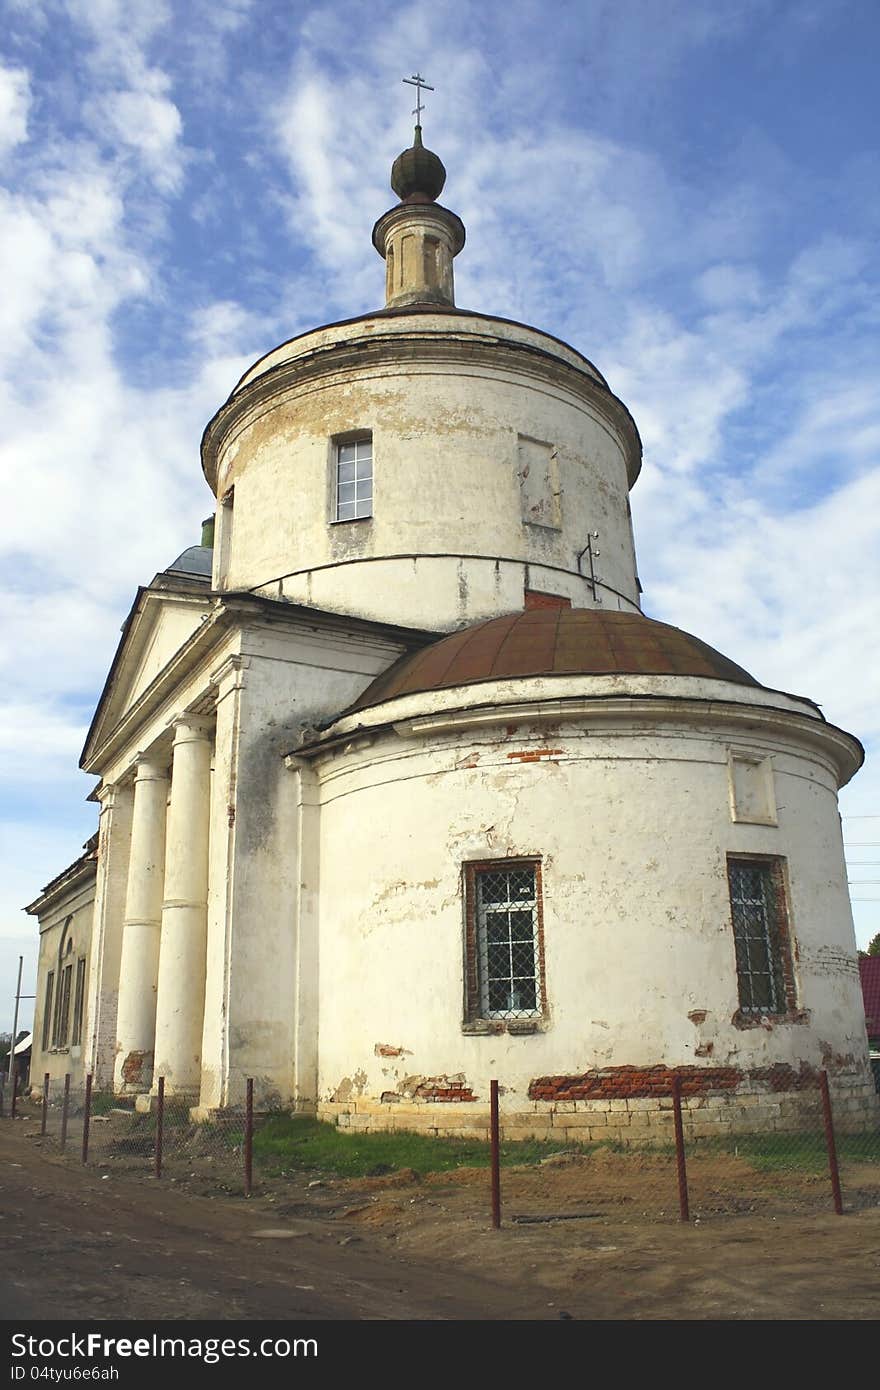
(424, 465)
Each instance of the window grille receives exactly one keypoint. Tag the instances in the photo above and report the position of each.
(354, 480)
(760, 933)
(504, 910)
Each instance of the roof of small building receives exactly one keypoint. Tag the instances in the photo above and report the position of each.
(554, 642)
(869, 973)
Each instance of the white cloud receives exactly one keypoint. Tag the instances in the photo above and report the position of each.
(149, 124)
(15, 102)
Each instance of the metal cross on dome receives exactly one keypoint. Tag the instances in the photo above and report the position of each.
(418, 82)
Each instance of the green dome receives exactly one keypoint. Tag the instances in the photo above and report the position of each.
(418, 171)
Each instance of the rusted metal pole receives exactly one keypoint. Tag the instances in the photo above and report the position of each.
(160, 1123)
(680, 1161)
(830, 1143)
(249, 1138)
(45, 1113)
(64, 1108)
(495, 1143)
(87, 1116)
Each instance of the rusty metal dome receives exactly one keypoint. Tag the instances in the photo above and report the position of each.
(553, 642)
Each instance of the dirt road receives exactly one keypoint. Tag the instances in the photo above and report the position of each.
(80, 1245)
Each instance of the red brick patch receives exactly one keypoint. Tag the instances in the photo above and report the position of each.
(634, 1083)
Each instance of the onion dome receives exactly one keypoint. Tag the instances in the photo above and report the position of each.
(418, 174)
(553, 642)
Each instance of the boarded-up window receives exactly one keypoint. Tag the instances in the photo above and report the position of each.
(752, 793)
(538, 470)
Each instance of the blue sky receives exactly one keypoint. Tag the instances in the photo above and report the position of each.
(687, 192)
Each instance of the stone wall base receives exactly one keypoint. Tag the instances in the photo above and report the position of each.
(640, 1120)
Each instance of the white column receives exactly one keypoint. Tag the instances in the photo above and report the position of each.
(139, 967)
(181, 999)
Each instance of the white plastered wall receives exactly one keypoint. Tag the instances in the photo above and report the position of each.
(633, 825)
(448, 459)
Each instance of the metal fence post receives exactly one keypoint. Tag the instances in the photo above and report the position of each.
(64, 1108)
(680, 1161)
(249, 1138)
(495, 1142)
(830, 1143)
(160, 1122)
(45, 1113)
(87, 1116)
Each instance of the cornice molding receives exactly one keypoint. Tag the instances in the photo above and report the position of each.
(417, 347)
(839, 751)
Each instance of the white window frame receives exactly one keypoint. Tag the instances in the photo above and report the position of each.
(353, 478)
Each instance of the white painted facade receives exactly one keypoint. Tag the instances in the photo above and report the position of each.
(628, 807)
(281, 881)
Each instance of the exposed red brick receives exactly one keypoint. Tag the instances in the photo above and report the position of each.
(538, 598)
(454, 1092)
(534, 755)
(634, 1083)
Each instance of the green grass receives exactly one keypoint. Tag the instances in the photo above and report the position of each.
(778, 1152)
(296, 1143)
(285, 1141)
(103, 1102)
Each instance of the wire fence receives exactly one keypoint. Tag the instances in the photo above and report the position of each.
(676, 1157)
(635, 1159)
(159, 1139)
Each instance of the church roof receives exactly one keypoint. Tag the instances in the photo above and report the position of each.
(554, 642)
(196, 560)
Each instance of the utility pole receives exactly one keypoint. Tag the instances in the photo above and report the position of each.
(11, 1068)
(11, 1072)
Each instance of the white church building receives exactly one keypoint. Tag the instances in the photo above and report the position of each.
(400, 790)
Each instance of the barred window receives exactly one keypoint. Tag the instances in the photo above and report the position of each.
(354, 480)
(504, 947)
(760, 933)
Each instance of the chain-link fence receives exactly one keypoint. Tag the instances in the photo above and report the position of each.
(632, 1159)
(159, 1139)
(679, 1157)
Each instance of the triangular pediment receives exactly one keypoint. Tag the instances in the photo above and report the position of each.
(161, 621)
